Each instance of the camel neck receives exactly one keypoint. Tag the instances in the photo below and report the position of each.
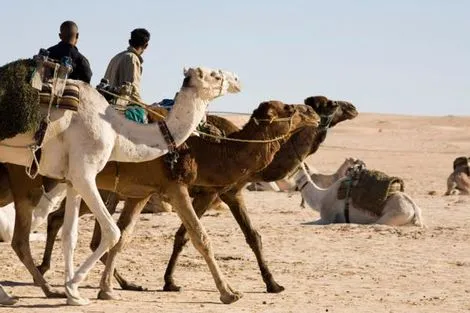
(264, 152)
(140, 143)
(311, 192)
(186, 114)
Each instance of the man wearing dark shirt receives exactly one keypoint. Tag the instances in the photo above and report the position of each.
(67, 47)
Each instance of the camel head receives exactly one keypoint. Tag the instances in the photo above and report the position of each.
(348, 163)
(331, 112)
(211, 83)
(287, 119)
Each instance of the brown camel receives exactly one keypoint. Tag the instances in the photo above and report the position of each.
(273, 121)
(297, 148)
(287, 159)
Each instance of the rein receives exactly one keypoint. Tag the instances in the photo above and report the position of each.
(256, 121)
(325, 120)
(303, 185)
(353, 175)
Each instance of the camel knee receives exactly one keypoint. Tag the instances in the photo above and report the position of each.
(203, 245)
(253, 239)
(110, 238)
(69, 240)
(18, 247)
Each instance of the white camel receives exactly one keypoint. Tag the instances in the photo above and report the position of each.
(77, 145)
(48, 202)
(399, 208)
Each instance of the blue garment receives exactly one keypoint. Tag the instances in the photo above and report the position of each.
(167, 104)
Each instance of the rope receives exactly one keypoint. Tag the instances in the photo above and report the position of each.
(283, 119)
(147, 107)
(241, 140)
(139, 103)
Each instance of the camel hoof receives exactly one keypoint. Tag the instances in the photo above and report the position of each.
(107, 295)
(55, 294)
(171, 287)
(78, 301)
(73, 296)
(275, 288)
(9, 300)
(133, 287)
(231, 297)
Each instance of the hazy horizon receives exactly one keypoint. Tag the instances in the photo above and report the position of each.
(401, 57)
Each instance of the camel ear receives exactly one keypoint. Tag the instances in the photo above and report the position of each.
(265, 110)
(185, 71)
(200, 72)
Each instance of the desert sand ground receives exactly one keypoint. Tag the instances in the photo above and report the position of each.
(334, 268)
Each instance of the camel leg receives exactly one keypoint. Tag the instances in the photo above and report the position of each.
(54, 222)
(234, 200)
(394, 219)
(95, 240)
(20, 186)
(201, 203)
(86, 187)
(126, 224)
(180, 200)
(70, 233)
(5, 299)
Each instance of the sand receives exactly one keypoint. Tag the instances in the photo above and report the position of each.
(333, 268)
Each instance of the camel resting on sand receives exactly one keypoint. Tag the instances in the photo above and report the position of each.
(399, 208)
(458, 182)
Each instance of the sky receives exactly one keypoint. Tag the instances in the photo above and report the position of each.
(401, 56)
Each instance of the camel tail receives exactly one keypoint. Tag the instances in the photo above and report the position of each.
(418, 217)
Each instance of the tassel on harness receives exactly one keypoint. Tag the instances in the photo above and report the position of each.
(171, 158)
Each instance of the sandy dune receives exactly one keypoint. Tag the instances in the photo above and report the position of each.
(336, 268)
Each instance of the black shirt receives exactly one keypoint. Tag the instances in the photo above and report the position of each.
(80, 64)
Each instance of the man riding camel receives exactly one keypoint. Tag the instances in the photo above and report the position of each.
(67, 48)
(126, 66)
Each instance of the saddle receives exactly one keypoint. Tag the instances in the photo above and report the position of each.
(50, 78)
(69, 100)
(370, 189)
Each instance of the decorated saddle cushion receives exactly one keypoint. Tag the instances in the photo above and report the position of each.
(370, 190)
(68, 101)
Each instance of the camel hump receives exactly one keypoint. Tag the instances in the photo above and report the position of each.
(370, 190)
